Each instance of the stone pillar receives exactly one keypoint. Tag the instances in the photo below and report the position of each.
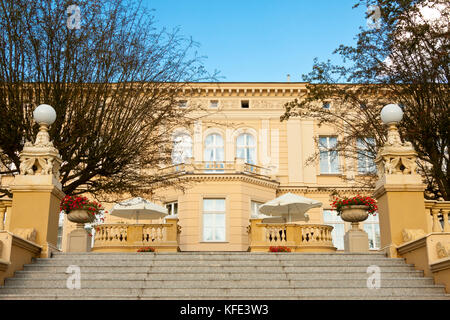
(399, 192)
(37, 193)
(356, 239)
(79, 240)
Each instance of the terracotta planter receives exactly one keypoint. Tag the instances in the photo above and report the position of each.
(354, 214)
(80, 216)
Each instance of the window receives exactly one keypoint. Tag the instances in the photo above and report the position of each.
(331, 218)
(245, 148)
(182, 148)
(213, 219)
(182, 104)
(214, 103)
(60, 230)
(214, 152)
(255, 209)
(329, 160)
(172, 208)
(366, 162)
(245, 104)
(372, 227)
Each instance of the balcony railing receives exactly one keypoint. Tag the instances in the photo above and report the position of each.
(217, 167)
(298, 237)
(131, 237)
(439, 212)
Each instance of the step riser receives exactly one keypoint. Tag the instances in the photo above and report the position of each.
(150, 283)
(217, 269)
(137, 263)
(220, 276)
(217, 276)
(220, 257)
(186, 293)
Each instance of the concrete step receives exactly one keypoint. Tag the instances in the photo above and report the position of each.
(234, 257)
(186, 293)
(98, 275)
(216, 268)
(267, 283)
(237, 263)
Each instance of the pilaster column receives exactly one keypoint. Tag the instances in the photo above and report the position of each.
(2, 217)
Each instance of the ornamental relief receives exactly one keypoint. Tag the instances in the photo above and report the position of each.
(441, 251)
(396, 157)
(40, 158)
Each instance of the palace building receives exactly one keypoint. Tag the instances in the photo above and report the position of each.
(239, 155)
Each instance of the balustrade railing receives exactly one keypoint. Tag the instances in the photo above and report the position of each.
(439, 212)
(219, 167)
(298, 237)
(130, 237)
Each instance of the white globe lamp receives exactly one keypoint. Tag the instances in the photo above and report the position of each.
(391, 113)
(44, 114)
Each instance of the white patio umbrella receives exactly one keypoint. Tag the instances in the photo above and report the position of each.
(290, 206)
(138, 208)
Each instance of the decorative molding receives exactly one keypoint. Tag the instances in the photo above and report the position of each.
(440, 265)
(412, 245)
(25, 244)
(412, 234)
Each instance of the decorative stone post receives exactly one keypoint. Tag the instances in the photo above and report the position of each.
(399, 189)
(2, 217)
(37, 191)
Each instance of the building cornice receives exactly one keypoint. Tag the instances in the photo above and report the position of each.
(253, 179)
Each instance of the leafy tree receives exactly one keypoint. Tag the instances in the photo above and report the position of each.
(113, 79)
(402, 57)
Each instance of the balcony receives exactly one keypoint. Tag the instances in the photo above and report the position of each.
(297, 237)
(239, 166)
(118, 237)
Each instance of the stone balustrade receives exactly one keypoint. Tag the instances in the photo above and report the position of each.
(218, 167)
(130, 237)
(298, 237)
(439, 212)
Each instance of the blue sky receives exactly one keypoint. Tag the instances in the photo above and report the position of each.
(262, 41)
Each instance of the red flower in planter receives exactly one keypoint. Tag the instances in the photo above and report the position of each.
(279, 249)
(369, 202)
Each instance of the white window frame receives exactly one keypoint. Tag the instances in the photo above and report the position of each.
(329, 154)
(374, 224)
(214, 227)
(247, 147)
(362, 156)
(254, 208)
(186, 149)
(214, 104)
(172, 205)
(338, 242)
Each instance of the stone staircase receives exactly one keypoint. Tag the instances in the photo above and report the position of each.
(220, 275)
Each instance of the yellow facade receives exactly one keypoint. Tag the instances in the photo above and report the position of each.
(280, 150)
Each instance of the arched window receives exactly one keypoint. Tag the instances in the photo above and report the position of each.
(182, 148)
(246, 148)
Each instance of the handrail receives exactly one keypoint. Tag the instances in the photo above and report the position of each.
(439, 212)
(299, 237)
